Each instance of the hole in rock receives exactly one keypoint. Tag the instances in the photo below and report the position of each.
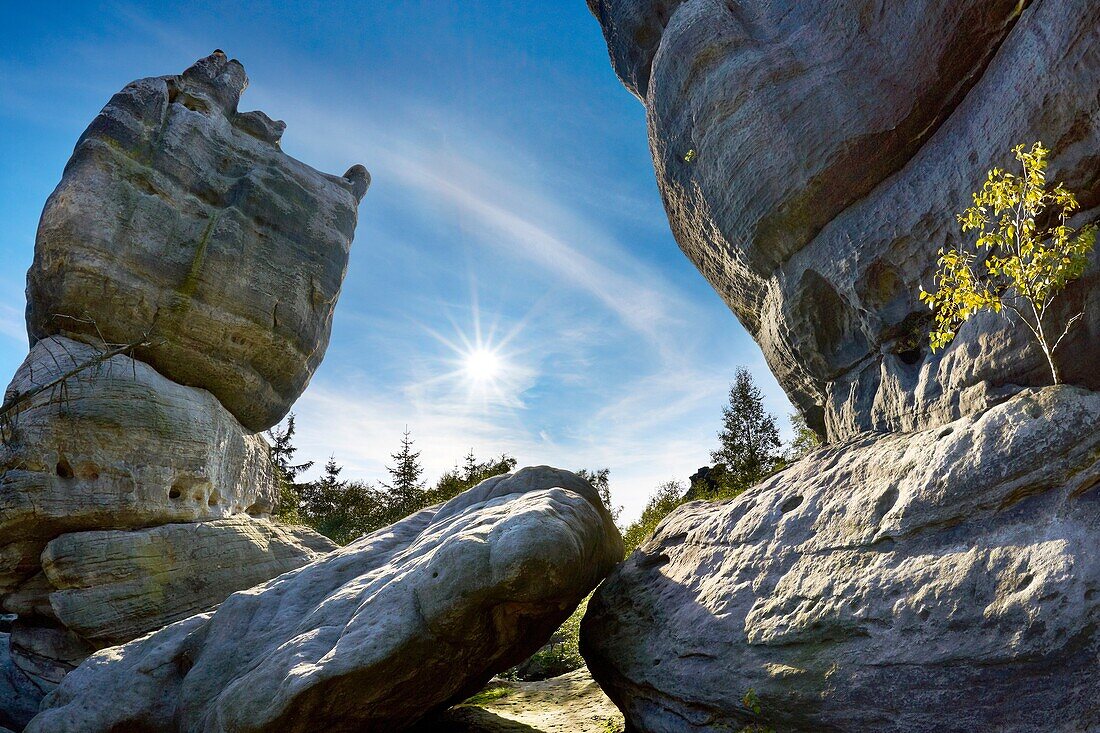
(174, 492)
(910, 356)
(435, 574)
(792, 503)
(657, 559)
(64, 470)
(945, 432)
(831, 320)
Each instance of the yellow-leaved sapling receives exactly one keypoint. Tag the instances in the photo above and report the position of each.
(1024, 256)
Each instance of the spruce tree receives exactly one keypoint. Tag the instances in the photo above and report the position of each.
(473, 472)
(749, 439)
(282, 456)
(470, 467)
(406, 487)
(320, 497)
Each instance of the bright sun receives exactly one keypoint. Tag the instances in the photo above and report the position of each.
(482, 365)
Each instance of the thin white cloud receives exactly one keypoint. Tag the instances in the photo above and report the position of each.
(491, 193)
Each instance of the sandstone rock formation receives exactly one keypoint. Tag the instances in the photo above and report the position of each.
(180, 217)
(812, 155)
(117, 446)
(19, 695)
(114, 586)
(371, 638)
(184, 281)
(941, 581)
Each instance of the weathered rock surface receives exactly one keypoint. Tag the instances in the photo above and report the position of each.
(114, 586)
(180, 217)
(942, 581)
(812, 156)
(19, 695)
(373, 637)
(46, 651)
(119, 447)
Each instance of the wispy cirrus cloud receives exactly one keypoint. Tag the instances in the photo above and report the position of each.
(627, 353)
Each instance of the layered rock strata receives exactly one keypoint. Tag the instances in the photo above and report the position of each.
(181, 218)
(930, 570)
(812, 157)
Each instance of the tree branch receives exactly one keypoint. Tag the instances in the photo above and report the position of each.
(16, 401)
(1066, 330)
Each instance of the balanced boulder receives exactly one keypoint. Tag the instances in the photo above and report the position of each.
(373, 637)
(180, 218)
(941, 581)
(181, 296)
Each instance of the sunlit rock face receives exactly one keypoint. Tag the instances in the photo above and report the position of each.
(372, 637)
(180, 217)
(112, 586)
(118, 446)
(945, 580)
(812, 157)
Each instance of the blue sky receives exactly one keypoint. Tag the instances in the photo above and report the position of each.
(513, 196)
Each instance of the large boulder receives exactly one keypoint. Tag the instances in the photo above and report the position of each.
(812, 156)
(116, 446)
(181, 218)
(373, 637)
(111, 587)
(943, 581)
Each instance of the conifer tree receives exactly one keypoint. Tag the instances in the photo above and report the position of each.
(749, 439)
(320, 497)
(470, 466)
(286, 471)
(406, 487)
(470, 474)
